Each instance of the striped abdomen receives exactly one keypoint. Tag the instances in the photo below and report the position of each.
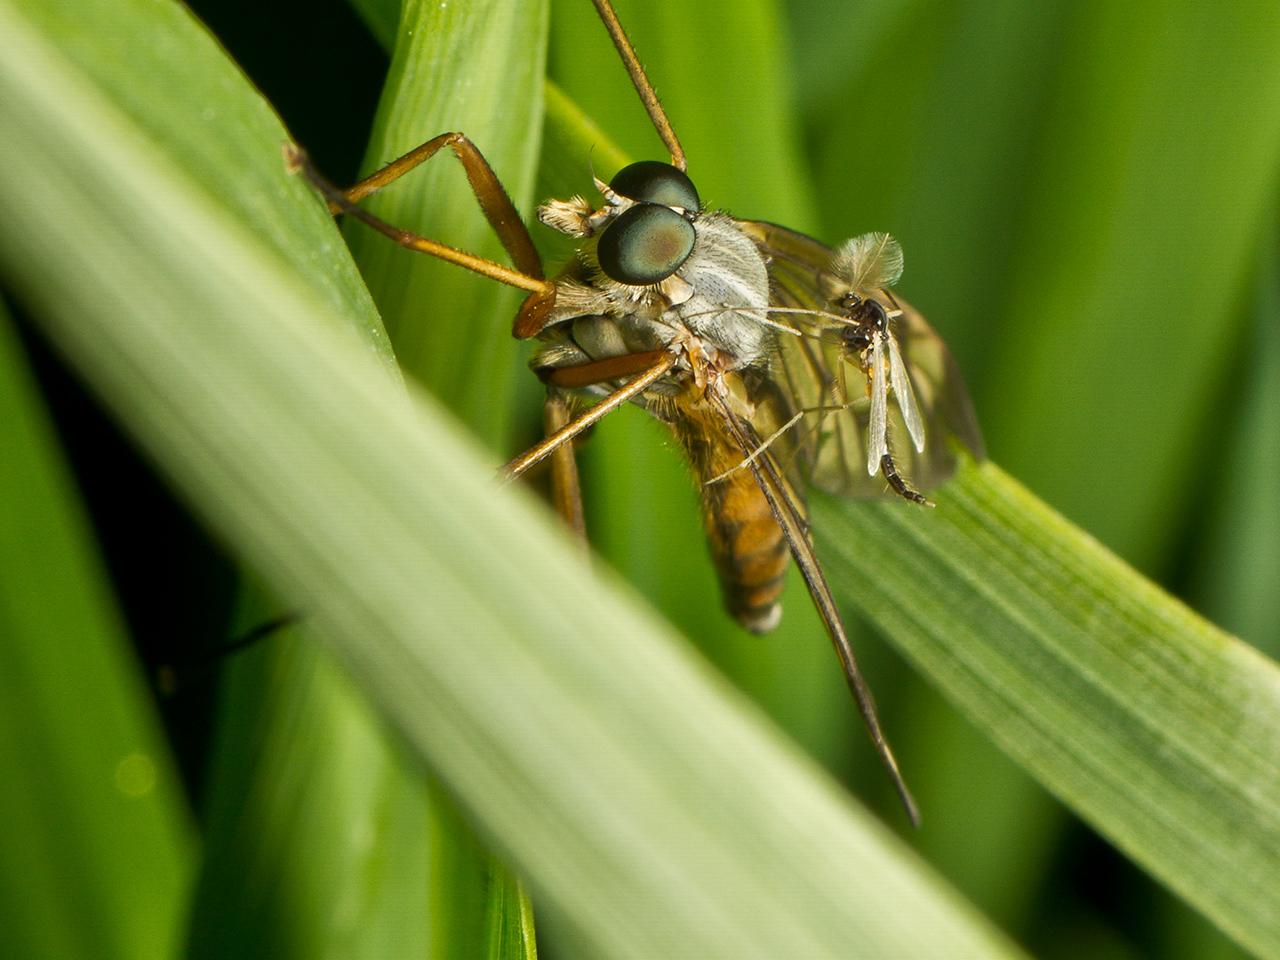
(747, 545)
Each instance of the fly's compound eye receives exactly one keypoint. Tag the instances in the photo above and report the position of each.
(644, 245)
(651, 181)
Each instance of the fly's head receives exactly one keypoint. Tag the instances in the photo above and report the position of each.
(642, 233)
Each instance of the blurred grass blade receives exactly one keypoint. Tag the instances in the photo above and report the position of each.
(1238, 565)
(315, 827)
(510, 930)
(95, 851)
(476, 68)
(381, 17)
(567, 125)
(1159, 729)
(294, 753)
(1151, 187)
(612, 768)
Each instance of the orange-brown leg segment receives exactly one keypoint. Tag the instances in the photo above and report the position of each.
(566, 490)
(490, 194)
(539, 452)
(639, 80)
(527, 277)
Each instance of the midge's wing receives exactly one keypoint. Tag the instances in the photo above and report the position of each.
(811, 373)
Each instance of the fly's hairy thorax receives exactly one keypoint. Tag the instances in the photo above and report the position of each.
(714, 305)
(717, 297)
(730, 286)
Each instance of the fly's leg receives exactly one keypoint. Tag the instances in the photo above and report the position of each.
(566, 490)
(899, 485)
(651, 367)
(490, 194)
(648, 96)
(494, 203)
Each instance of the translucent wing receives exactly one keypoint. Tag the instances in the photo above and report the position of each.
(814, 373)
(878, 429)
(905, 393)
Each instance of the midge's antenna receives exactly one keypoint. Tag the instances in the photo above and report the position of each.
(648, 96)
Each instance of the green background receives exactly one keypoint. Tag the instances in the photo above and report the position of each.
(1085, 193)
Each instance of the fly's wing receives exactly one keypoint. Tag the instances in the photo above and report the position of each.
(788, 514)
(812, 373)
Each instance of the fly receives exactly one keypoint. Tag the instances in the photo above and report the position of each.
(776, 361)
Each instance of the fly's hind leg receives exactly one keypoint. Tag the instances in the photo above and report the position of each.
(494, 203)
(566, 489)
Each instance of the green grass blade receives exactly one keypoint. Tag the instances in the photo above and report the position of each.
(1079, 189)
(1232, 581)
(478, 69)
(316, 827)
(948, 102)
(295, 752)
(381, 17)
(1156, 727)
(95, 851)
(1235, 571)
(607, 764)
(1135, 256)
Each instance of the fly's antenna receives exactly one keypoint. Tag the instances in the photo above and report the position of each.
(648, 96)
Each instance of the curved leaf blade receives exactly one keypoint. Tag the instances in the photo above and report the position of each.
(1158, 728)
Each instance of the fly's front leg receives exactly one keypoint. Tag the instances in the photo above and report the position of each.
(490, 195)
(560, 428)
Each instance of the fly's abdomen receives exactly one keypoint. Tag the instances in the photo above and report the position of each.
(749, 550)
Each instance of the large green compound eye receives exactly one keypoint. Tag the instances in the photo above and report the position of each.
(645, 244)
(651, 181)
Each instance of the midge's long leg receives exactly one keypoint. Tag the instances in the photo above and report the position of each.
(654, 363)
(542, 291)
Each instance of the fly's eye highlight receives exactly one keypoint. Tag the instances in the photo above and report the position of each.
(646, 244)
(651, 181)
